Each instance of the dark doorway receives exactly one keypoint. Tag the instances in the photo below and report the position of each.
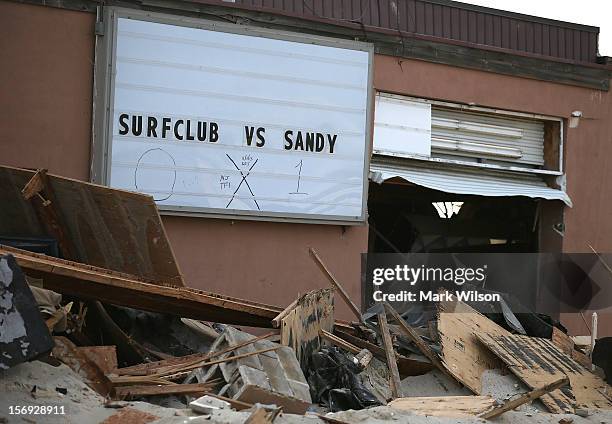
(408, 218)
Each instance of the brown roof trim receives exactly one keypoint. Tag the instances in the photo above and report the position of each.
(515, 15)
(386, 41)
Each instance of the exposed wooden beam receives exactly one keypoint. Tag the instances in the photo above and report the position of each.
(89, 282)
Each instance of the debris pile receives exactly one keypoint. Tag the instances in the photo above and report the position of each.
(122, 336)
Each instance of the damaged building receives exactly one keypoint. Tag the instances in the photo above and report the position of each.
(187, 189)
(488, 132)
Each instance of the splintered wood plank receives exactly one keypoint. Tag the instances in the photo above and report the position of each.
(396, 386)
(462, 354)
(90, 282)
(300, 327)
(115, 229)
(537, 362)
(445, 406)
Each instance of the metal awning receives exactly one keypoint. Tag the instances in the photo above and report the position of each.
(477, 182)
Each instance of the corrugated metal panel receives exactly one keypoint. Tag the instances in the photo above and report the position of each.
(483, 136)
(494, 184)
(455, 21)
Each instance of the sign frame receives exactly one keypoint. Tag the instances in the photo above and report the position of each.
(103, 101)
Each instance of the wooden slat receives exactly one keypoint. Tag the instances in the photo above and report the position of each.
(406, 366)
(396, 387)
(337, 341)
(182, 361)
(130, 392)
(525, 398)
(181, 369)
(445, 406)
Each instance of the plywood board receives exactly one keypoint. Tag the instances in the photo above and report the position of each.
(114, 229)
(445, 406)
(462, 354)
(537, 362)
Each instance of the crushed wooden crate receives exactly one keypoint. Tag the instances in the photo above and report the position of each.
(273, 377)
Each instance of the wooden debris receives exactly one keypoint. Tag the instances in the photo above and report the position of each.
(176, 369)
(136, 380)
(524, 398)
(201, 328)
(131, 392)
(416, 339)
(183, 361)
(444, 406)
(300, 327)
(236, 404)
(42, 197)
(89, 282)
(104, 356)
(462, 354)
(276, 322)
(396, 388)
(127, 346)
(68, 353)
(406, 366)
(537, 362)
(568, 346)
(563, 341)
(115, 229)
(336, 285)
(341, 343)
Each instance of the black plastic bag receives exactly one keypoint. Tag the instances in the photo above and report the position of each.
(334, 382)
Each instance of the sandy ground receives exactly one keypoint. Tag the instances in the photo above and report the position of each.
(83, 406)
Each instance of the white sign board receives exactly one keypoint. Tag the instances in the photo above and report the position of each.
(402, 127)
(207, 120)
